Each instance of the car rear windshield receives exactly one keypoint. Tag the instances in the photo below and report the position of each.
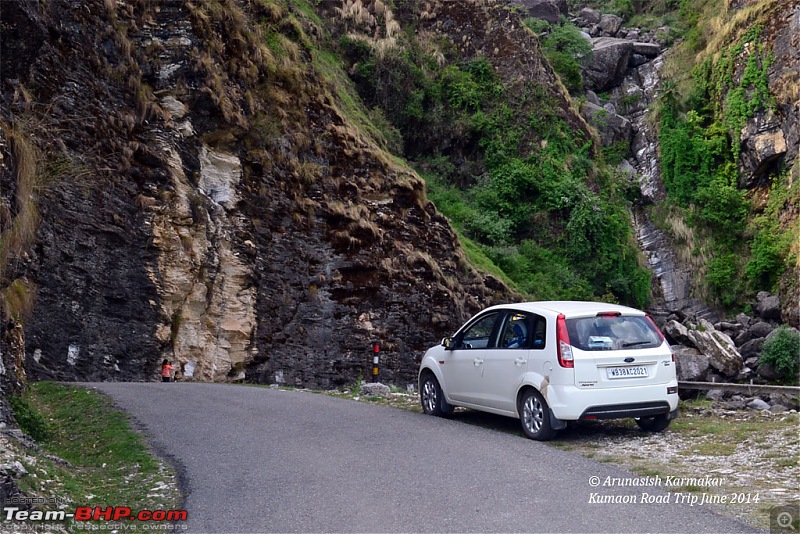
(612, 332)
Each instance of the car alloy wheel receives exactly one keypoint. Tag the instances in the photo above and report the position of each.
(430, 397)
(535, 416)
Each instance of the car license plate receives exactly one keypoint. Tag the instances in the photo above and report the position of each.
(627, 372)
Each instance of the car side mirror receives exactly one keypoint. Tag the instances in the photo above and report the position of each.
(448, 343)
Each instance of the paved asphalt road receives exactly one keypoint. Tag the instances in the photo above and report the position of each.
(260, 460)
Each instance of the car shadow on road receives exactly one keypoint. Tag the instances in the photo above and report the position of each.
(576, 431)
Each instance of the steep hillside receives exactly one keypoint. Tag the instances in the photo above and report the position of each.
(198, 182)
(472, 102)
(729, 142)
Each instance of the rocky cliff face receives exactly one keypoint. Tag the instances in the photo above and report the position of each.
(769, 141)
(191, 193)
(773, 141)
(627, 63)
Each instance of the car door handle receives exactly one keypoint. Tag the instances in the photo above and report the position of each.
(519, 362)
(477, 362)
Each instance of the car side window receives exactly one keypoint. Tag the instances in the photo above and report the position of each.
(478, 336)
(523, 331)
(516, 331)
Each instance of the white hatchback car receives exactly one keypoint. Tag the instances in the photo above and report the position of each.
(547, 363)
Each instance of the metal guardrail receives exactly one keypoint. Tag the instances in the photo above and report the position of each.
(751, 389)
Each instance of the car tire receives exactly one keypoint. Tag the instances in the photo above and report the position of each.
(656, 423)
(534, 415)
(431, 396)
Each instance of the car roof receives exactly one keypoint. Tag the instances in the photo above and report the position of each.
(569, 308)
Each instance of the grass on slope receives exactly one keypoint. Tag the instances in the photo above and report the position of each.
(90, 456)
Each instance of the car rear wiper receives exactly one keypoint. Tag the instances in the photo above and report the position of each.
(634, 343)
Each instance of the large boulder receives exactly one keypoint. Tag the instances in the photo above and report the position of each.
(751, 348)
(588, 17)
(744, 319)
(718, 346)
(761, 329)
(729, 328)
(768, 372)
(611, 127)
(691, 363)
(790, 401)
(677, 334)
(549, 10)
(609, 24)
(758, 404)
(790, 294)
(637, 60)
(745, 374)
(743, 337)
(649, 50)
(608, 63)
(768, 306)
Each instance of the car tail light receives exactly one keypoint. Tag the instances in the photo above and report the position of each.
(565, 358)
(608, 314)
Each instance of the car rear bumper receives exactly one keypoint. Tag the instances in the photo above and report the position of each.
(618, 411)
(570, 403)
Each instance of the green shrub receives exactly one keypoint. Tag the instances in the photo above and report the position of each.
(623, 8)
(508, 192)
(489, 228)
(458, 88)
(764, 267)
(617, 152)
(542, 273)
(568, 69)
(692, 155)
(782, 351)
(723, 207)
(721, 278)
(537, 26)
(567, 38)
(29, 419)
(566, 50)
(391, 135)
(483, 74)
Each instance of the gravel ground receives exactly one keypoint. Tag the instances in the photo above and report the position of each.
(753, 456)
